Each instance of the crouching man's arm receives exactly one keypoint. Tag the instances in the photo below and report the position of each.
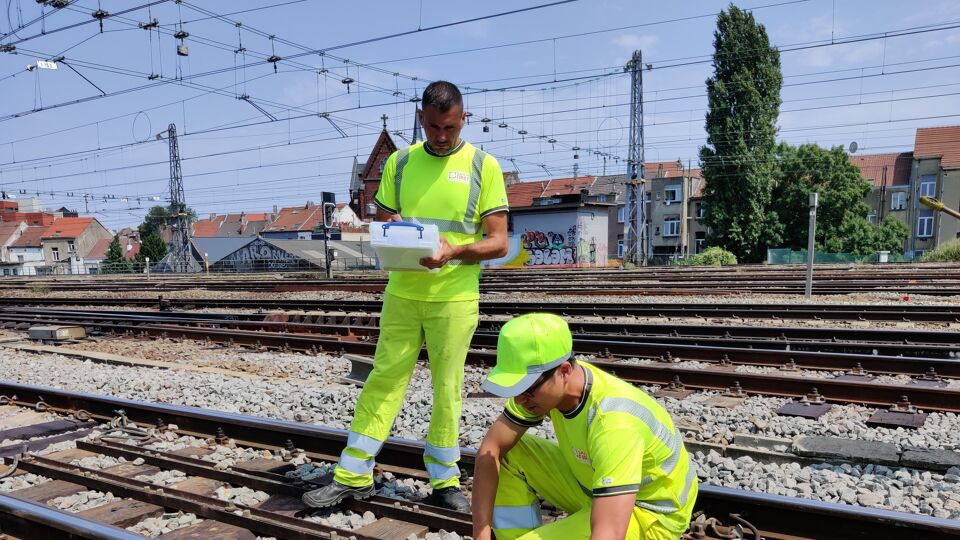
(501, 437)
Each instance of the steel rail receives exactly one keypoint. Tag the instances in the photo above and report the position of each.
(774, 353)
(789, 517)
(850, 312)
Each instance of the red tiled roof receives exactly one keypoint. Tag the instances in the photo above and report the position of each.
(134, 247)
(99, 250)
(68, 227)
(7, 230)
(939, 141)
(299, 218)
(668, 169)
(897, 165)
(522, 193)
(206, 228)
(264, 216)
(30, 237)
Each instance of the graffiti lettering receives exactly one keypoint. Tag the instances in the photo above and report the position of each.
(550, 247)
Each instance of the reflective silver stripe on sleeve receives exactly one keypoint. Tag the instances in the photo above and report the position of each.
(402, 157)
(516, 517)
(356, 465)
(673, 441)
(476, 181)
(363, 443)
(691, 478)
(441, 472)
(442, 454)
(445, 225)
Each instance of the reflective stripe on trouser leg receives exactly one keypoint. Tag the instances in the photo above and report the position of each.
(401, 337)
(534, 466)
(448, 329)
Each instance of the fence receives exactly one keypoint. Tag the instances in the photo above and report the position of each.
(789, 256)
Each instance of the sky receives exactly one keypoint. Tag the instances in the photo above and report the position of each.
(254, 134)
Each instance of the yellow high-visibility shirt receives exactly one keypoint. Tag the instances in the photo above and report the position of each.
(454, 192)
(620, 440)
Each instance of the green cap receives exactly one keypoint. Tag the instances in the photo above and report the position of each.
(528, 345)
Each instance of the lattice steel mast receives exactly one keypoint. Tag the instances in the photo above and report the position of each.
(179, 222)
(634, 225)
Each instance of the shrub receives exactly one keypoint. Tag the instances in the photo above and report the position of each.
(712, 256)
(949, 252)
(39, 289)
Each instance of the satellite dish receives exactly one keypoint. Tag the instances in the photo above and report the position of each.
(853, 147)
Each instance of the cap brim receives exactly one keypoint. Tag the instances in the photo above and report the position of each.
(508, 385)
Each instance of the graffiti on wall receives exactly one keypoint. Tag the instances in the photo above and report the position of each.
(261, 254)
(550, 247)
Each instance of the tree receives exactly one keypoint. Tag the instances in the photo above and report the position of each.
(152, 246)
(842, 224)
(737, 163)
(157, 218)
(115, 262)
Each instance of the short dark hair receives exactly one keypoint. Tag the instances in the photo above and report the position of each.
(443, 95)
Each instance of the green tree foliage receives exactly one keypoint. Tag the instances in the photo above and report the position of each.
(949, 252)
(115, 262)
(712, 256)
(152, 246)
(738, 161)
(842, 225)
(157, 218)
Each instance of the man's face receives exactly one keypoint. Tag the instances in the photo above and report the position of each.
(545, 394)
(442, 128)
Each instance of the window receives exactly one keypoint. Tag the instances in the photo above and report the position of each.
(699, 241)
(701, 210)
(898, 200)
(928, 185)
(925, 223)
(70, 246)
(671, 194)
(619, 249)
(382, 163)
(19, 258)
(872, 217)
(601, 198)
(621, 214)
(6, 272)
(671, 227)
(55, 254)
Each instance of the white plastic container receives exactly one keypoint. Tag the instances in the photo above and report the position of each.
(401, 245)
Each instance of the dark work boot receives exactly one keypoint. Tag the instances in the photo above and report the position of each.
(334, 492)
(451, 498)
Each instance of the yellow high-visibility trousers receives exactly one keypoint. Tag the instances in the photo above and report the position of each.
(447, 328)
(535, 469)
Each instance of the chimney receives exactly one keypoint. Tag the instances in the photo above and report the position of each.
(213, 216)
(511, 177)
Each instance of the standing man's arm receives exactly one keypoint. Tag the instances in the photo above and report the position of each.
(383, 215)
(491, 247)
(501, 437)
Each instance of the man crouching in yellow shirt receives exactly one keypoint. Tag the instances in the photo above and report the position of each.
(618, 468)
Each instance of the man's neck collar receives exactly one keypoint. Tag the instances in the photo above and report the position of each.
(456, 148)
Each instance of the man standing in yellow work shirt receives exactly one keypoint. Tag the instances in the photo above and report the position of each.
(450, 183)
(619, 467)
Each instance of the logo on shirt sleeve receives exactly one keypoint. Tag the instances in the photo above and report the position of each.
(459, 177)
(607, 481)
(581, 456)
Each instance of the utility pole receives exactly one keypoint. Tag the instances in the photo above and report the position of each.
(634, 224)
(811, 236)
(179, 221)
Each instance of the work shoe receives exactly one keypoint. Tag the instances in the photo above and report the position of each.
(334, 492)
(451, 498)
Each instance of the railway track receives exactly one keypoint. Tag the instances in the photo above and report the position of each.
(841, 312)
(928, 393)
(24, 514)
(941, 280)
